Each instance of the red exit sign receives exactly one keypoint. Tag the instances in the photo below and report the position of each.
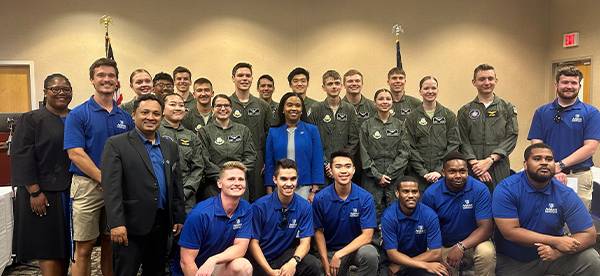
(571, 39)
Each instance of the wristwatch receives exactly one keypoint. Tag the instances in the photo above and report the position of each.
(561, 165)
(36, 193)
(297, 259)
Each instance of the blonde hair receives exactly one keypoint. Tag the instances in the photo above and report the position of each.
(232, 165)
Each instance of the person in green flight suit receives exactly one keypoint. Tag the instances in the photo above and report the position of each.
(201, 113)
(183, 79)
(256, 114)
(384, 150)
(225, 140)
(336, 121)
(488, 129)
(298, 80)
(191, 156)
(403, 104)
(265, 86)
(140, 82)
(432, 132)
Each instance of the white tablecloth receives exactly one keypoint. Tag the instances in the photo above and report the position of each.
(6, 226)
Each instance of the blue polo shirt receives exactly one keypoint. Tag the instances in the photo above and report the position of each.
(158, 166)
(411, 235)
(543, 211)
(578, 122)
(343, 220)
(208, 229)
(89, 125)
(458, 212)
(274, 237)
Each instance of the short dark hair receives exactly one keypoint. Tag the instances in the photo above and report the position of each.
(51, 77)
(162, 76)
(284, 164)
(455, 155)
(531, 147)
(103, 62)
(181, 69)
(241, 65)
(482, 67)
(406, 178)
(223, 96)
(164, 97)
(284, 98)
(341, 153)
(148, 97)
(382, 90)
(353, 72)
(396, 71)
(569, 71)
(298, 71)
(202, 81)
(267, 77)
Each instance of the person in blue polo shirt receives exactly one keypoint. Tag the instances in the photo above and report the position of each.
(344, 218)
(282, 225)
(87, 128)
(411, 233)
(217, 231)
(530, 209)
(464, 207)
(572, 129)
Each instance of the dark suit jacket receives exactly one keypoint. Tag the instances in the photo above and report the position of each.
(130, 187)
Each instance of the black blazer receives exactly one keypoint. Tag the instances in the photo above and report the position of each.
(130, 186)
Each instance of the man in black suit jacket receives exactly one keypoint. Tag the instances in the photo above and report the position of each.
(143, 193)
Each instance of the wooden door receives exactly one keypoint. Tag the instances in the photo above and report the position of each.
(14, 89)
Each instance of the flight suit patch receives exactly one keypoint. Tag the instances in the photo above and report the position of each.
(363, 115)
(253, 112)
(439, 120)
(392, 133)
(219, 141)
(492, 113)
(184, 142)
(474, 114)
(327, 118)
(405, 111)
(377, 135)
(237, 113)
(423, 121)
(234, 138)
(341, 117)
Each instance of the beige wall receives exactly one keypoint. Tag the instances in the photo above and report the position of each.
(444, 38)
(575, 16)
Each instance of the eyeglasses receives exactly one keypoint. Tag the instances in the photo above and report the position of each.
(284, 218)
(219, 106)
(162, 85)
(56, 90)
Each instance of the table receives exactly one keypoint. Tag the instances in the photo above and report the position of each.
(6, 226)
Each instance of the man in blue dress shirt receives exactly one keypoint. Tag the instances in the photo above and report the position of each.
(282, 226)
(344, 218)
(464, 207)
(530, 209)
(217, 231)
(572, 129)
(411, 233)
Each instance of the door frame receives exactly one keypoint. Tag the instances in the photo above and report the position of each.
(573, 61)
(32, 92)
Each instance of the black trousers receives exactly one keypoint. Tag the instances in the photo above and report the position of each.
(310, 265)
(149, 251)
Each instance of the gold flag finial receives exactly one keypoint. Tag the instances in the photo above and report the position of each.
(106, 20)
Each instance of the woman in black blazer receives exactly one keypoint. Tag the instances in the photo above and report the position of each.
(40, 171)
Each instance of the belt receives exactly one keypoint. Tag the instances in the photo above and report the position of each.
(570, 171)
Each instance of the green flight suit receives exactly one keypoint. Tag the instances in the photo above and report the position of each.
(190, 102)
(233, 143)
(365, 109)
(128, 106)
(256, 115)
(405, 106)
(308, 103)
(431, 140)
(191, 160)
(484, 131)
(339, 130)
(384, 150)
(274, 106)
(193, 120)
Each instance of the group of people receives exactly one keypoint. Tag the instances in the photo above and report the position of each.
(206, 184)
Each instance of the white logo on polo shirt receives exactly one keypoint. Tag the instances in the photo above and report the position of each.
(121, 125)
(293, 224)
(467, 205)
(577, 119)
(354, 213)
(237, 224)
(420, 230)
(551, 209)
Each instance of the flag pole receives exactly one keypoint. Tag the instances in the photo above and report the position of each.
(396, 30)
